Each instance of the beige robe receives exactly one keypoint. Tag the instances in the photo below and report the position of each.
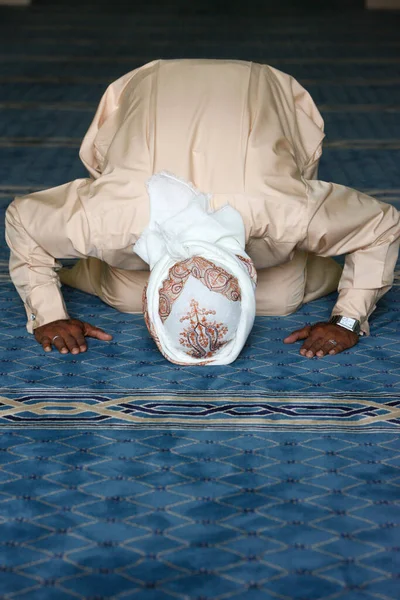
(248, 134)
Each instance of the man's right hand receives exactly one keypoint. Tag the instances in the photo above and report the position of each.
(68, 335)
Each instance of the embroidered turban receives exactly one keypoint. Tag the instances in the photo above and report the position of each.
(199, 304)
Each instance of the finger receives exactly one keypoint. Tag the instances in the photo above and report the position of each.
(81, 342)
(326, 348)
(311, 346)
(337, 349)
(96, 332)
(314, 347)
(71, 344)
(46, 344)
(299, 334)
(312, 338)
(59, 343)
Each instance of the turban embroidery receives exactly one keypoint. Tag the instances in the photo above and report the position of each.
(199, 304)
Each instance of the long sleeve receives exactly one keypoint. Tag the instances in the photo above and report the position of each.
(41, 228)
(345, 221)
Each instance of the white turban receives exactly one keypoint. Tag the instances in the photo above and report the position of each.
(199, 304)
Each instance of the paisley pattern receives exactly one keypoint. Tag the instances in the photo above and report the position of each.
(202, 337)
(248, 263)
(152, 330)
(215, 278)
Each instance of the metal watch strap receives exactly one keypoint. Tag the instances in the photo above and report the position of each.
(343, 321)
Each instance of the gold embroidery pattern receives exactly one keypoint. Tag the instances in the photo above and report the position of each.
(214, 278)
(153, 333)
(202, 337)
(248, 263)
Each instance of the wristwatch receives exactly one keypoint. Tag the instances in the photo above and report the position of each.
(347, 323)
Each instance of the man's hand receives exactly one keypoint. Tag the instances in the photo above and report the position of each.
(323, 338)
(68, 335)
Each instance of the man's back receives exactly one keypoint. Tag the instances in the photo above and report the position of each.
(243, 131)
(224, 125)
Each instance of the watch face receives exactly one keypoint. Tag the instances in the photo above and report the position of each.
(348, 322)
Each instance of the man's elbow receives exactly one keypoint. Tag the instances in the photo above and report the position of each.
(12, 219)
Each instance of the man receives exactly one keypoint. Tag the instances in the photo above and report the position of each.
(248, 135)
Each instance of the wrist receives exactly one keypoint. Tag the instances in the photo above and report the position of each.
(349, 323)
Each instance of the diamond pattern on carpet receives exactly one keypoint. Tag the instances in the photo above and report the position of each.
(198, 514)
(123, 477)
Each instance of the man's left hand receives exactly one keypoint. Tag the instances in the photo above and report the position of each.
(323, 338)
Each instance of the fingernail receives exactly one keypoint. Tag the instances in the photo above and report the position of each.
(75, 350)
(47, 349)
(64, 351)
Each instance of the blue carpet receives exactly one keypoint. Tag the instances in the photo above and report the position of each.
(123, 476)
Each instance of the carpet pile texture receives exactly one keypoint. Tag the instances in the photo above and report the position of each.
(125, 477)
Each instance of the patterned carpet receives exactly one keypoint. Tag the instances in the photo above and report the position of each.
(123, 476)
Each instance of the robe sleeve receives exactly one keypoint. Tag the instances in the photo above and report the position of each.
(345, 221)
(52, 224)
(40, 228)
